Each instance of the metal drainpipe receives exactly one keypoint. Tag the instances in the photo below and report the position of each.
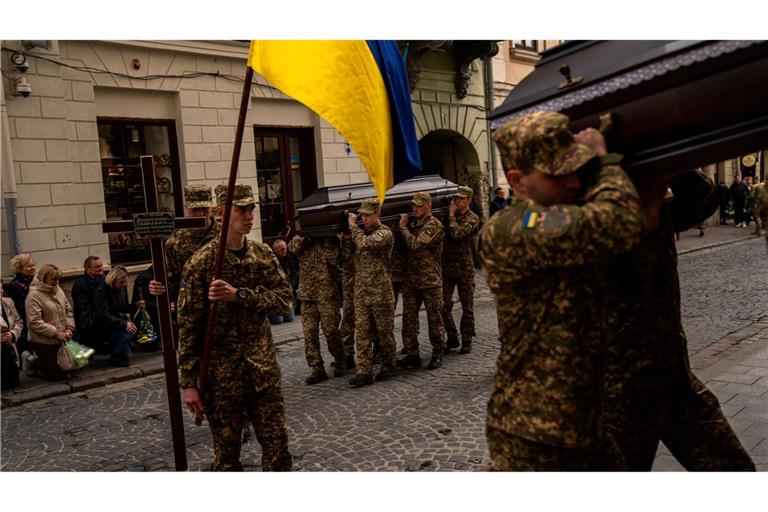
(488, 83)
(9, 182)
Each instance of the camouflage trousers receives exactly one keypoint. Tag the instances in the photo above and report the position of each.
(315, 315)
(512, 453)
(397, 287)
(264, 409)
(466, 287)
(685, 416)
(374, 322)
(433, 304)
(348, 317)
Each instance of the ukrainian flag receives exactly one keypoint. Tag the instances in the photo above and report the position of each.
(360, 88)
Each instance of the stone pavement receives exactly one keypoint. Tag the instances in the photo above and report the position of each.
(714, 236)
(419, 421)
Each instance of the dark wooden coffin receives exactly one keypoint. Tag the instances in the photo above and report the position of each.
(675, 105)
(324, 212)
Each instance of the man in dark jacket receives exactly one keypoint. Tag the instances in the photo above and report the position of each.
(86, 314)
(724, 199)
(739, 191)
(499, 201)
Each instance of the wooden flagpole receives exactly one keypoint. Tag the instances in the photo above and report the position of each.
(224, 229)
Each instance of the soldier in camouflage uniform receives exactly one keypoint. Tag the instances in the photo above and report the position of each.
(348, 297)
(374, 299)
(423, 281)
(757, 200)
(180, 246)
(543, 260)
(348, 303)
(459, 270)
(244, 374)
(183, 243)
(650, 392)
(763, 212)
(319, 295)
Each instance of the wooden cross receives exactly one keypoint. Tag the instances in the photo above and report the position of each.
(157, 247)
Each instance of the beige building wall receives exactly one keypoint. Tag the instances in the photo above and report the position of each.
(54, 137)
(510, 66)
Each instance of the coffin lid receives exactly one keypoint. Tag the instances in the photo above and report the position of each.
(353, 194)
(606, 68)
(672, 105)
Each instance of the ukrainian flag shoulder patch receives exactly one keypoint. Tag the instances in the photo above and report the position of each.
(530, 218)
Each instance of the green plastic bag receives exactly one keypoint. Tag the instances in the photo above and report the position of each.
(79, 355)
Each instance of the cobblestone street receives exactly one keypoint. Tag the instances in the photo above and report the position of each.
(419, 421)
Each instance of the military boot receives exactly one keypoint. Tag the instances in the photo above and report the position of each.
(451, 343)
(436, 362)
(318, 375)
(466, 345)
(409, 362)
(338, 367)
(360, 380)
(385, 374)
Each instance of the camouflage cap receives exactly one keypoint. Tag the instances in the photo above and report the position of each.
(369, 205)
(541, 141)
(242, 195)
(464, 192)
(197, 196)
(421, 198)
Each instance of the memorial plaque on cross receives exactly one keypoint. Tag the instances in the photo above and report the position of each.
(157, 226)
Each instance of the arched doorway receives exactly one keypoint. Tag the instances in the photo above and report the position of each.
(451, 155)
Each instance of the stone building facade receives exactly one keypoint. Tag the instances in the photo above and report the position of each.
(70, 146)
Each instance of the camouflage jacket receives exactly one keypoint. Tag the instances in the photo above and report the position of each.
(317, 269)
(754, 195)
(457, 250)
(241, 333)
(544, 265)
(399, 251)
(647, 336)
(179, 247)
(347, 262)
(424, 243)
(373, 252)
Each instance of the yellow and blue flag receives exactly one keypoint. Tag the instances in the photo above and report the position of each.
(360, 88)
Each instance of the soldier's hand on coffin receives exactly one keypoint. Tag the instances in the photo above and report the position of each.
(156, 287)
(352, 219)
(222, 290)
(592, 139)
(403, 220)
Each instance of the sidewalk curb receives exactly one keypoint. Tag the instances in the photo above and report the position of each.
(150, 366)
(718, 244)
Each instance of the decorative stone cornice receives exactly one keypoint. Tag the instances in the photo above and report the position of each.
(465, 53)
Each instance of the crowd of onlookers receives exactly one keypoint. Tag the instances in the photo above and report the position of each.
(37, 317)
(741, 200)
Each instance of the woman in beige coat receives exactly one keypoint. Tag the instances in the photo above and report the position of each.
(11, 326)
(50, 319)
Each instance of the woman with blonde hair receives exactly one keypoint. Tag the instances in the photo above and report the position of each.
(114, 315)
(51, 321)
(24, 269)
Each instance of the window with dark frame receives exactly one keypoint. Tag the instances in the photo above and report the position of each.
(285, 174)
(530, 45)
(122, 143)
